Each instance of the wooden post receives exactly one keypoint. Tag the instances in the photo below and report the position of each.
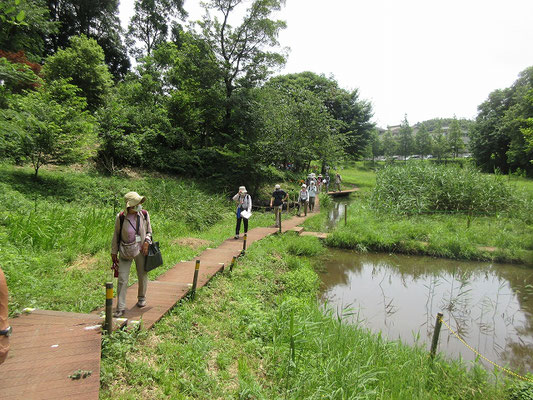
(195, 279)
(232, 264)
(345, 213)
(280, 218)
(436, 332)
(108, 326)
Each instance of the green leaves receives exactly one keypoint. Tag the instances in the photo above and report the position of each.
(51, 125)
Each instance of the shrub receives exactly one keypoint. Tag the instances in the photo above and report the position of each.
(417, 188)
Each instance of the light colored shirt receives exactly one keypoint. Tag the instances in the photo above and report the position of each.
(244, 201)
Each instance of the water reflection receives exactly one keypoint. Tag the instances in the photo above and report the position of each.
(489, 305)
(336, 211)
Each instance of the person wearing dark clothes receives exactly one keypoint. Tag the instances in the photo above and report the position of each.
(278, 197)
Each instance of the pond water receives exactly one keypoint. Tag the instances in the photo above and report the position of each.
(489, 305)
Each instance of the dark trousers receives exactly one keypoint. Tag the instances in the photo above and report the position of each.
(238, 227)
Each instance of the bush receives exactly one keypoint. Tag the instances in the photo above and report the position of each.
(418, 188)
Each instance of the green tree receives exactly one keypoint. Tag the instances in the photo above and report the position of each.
(50, 125)
(24, 25)
(82, 63)
(390, 144)
(149, 26)
(405, 138)
(96, 19)
(242, 51)
(455, 138)
(499, 139)
(375, 146)
(423, 141)
(440, 143)
(352, 115)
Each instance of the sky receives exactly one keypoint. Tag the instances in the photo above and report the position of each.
(424, 58)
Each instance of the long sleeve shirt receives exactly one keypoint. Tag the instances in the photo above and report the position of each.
(243, 201)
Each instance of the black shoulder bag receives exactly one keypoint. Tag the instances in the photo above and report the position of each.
(154, 258)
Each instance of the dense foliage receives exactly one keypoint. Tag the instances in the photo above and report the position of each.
(502, 138)
(199, 101)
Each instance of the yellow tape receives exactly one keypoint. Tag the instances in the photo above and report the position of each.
(109, 293)
(482, 356)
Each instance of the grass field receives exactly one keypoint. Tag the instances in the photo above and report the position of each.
(506, 236)
(258, 333)
(55, 232)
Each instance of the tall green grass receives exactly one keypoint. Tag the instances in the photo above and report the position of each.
(419, 187)
(55, 231)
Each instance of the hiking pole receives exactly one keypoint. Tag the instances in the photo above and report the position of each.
(195, 279)
(108, 325)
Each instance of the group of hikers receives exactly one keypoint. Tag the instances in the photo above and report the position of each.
(133, 235)
(133, 232)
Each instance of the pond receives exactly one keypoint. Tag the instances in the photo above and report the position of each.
(489, 305)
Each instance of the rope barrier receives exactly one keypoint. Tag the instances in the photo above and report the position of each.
(483, 357)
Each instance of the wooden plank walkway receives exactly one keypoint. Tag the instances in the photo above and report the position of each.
(342, 192)
(49, 346)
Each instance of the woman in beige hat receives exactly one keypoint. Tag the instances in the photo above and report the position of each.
(133, 234)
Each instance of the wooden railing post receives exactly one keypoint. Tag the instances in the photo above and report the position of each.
(195, 279)
(436, 333)
(108, 325)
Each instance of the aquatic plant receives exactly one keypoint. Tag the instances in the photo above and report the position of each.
(419, 188)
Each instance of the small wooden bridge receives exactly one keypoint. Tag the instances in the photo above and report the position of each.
(57, 354)
(341, 193)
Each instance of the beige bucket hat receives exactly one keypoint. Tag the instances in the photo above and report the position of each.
(133, 198)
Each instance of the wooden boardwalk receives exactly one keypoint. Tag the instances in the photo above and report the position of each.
(342, 192)
(47, 347)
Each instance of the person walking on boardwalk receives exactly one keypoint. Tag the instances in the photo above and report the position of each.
(244, 209)
(131, 238)
(278, 197)
(303, 200)
(326, 182)
(312, 195)
(5, 329)
(319, 182)
(338, 181)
